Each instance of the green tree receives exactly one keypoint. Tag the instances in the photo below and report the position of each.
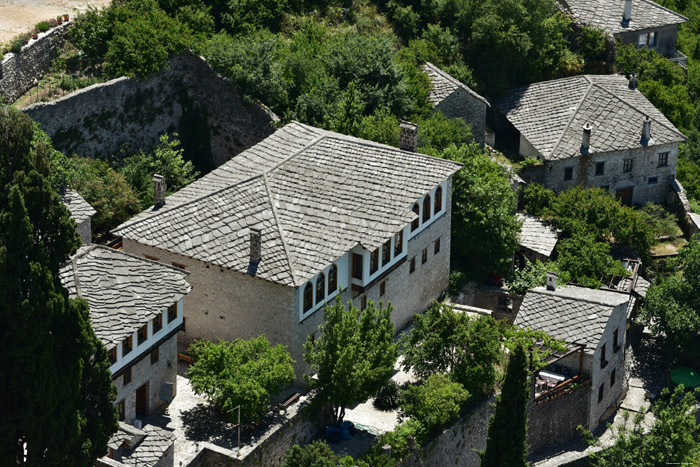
(583, 260)
(246, 373)
(165, 160)
(671, 307)
(315, 454)
(507, 433)
(435, 402)
(354, 356)
(673, 439)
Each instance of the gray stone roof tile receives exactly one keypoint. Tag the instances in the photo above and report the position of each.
(537, 235)
(124, 291)
(148, 451)
(572, 314)
(443, 85)
(314, 194)
(551, 115)
(607, 14)
(79, 209)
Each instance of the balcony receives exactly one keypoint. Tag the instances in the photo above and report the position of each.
(680, 59)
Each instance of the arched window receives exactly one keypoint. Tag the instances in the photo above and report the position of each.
(416, 221)
(320, 288)
(332, 279)
(308, 297)
(426, 208)
(438, 200)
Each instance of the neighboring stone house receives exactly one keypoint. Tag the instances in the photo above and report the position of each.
(288, 224)
(456, 100)
(536, 241)
(136, 310)
(81, 212)
(130, 446)
(595, 131)
(640, 22)
(592, 317)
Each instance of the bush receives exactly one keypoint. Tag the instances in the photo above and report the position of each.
(457, 282)
(399, 438)
(435, 402)
(42, 26)
(532, 275)
(387, 398)
(664, 224)
(537, 199)
(315, 454)
(16, 45)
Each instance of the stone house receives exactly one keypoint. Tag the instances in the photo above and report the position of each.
(591, 130)
(592, 317)
(640, 22)
(297, 220)
(150, 446)
(81, 212)
(456, 100)
(136, 310)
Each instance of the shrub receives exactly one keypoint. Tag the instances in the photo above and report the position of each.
(435, 402)
(387, 398)
(42, 26)
(457, 282)
(399, 438)
(532, 275)
(16, 45)
(663, 222)
(537, 199)
(315, 454)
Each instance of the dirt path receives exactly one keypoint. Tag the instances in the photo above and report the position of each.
(18, 16)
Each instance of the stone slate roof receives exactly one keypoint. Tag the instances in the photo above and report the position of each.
(572, 314)
(537, 235)
(148, 451)
(124, 291)
(314, 194)
(79, 209)
(551, 115)
(607, 14)
(641, 287)
(443, 85)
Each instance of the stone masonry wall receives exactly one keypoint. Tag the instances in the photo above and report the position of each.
(129, 113)
(85, 231)
(666, 38)
(461, 104)
(19, 71)
(557, 419)
(143, 372)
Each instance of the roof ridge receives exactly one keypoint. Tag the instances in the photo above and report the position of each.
(279, 229)
(646, 114)
(457, 82)
(184, 272)
(667, 9)
(76, 278)
(577, 299)
(573, 115)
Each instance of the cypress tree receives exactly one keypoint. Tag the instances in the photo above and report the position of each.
(506, 442)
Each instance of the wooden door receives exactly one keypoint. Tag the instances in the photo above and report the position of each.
(142, 400)
(625, 196)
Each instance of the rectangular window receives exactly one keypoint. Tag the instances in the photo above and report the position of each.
(603, 361)
(113, 355)
(412, 266)
(436, 250)
(651, 39)
(600, 392)
(612, 378)
(121, 408)
(424, 256)
(382, 288)
(663, 159)
(155, 355)
(127, 344)
(152, 258)
(157, 323)
(178, 265)
(642, 39)
(616, 345)
(374, 261)
(600, 168)
(357, 266)
(142, 334)
(568, 173)
(172, 313)
(363, 302)
(386, 253)
(127, 376)
(653, 180)
(398, 243)
(627, 165)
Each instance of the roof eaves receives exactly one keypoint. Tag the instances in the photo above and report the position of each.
(684, 18)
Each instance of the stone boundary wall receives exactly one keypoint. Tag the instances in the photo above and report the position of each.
(690, 222)
(131, 114)
(555, 421)
(271, 448)
(19, 71)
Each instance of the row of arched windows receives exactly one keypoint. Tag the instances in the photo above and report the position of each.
(320, 288)
(437, 207)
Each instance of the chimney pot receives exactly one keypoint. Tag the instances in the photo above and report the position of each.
(633, 81)
(551, 281)
(586, 140)
(255, 245)
(627, 14)
(158, 190)
(646, 131)
(409, 136)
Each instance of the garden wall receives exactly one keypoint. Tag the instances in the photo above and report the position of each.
(189, 97)
(18, 72)
(678, 201)
(555, 421)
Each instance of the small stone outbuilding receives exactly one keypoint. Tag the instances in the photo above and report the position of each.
(81, 212)
(536, 241)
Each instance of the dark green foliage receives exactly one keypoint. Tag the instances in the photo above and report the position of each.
(387, 398)
(537, 199)
(587, 262)
(663, 223)
(55, 374)
(532, 275)
(246, 373)
(354, 355)
(437, 132)
(671, 307)
(483, 207)
(398, 439)
(457, 282)
(435, 402)
(315, 454)
(673, 438)
(506, 442)
(382, 127)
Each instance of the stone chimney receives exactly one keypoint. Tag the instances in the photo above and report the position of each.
(646, 131)
(633, 81)
(586, 139)
(551, 281)
(627, 14)
(409, 136)
(255, 245)
(158, 190)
